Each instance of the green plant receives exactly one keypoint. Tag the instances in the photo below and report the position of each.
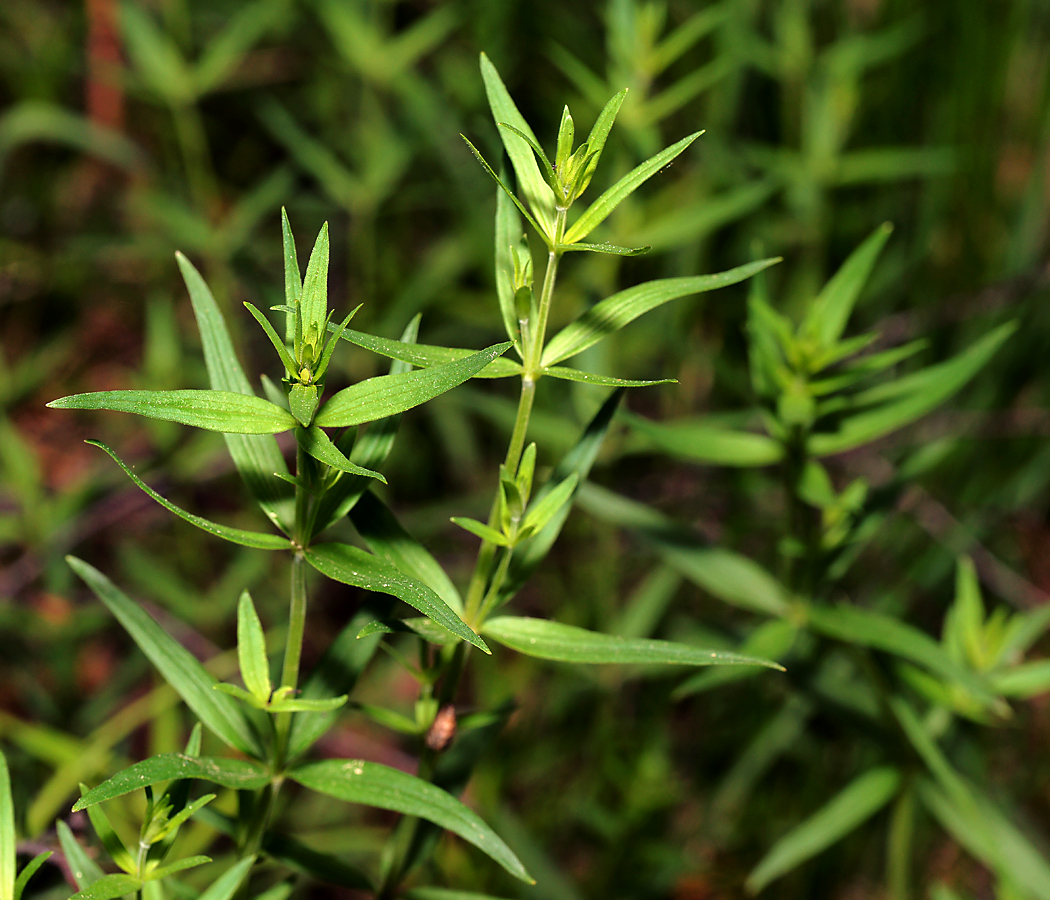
(273, 722)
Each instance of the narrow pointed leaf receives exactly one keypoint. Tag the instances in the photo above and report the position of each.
(481, 530)
(190, 862)
(109, 887)
(222, 411)
(256, 539)
(314, 300)
(109, 839)
(82, 867)
(309, 706)
(389, 540)
(909, 398)
(543, 510)
(849, 809)
(178, 666)
(508, 234)
(598, 136)
(372, 784)
(251, 649)
(225, 886)
(613, 249)
(257, 457)
(546, 168)
(387, 395)
(614, 312)
(567, 374)
(428, 355)
(278, 344)
(598, 211)
(697, 440)
(531, 181)
(315, 442)
(545, 234)
(545, 639)
(354, 566)
(29, 871)
(293, 279)
(8, 841)
(236, 774)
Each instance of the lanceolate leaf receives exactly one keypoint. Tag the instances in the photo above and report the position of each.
(567, 643)
(599, 134)
(567, 374)
(223, 411)
(251, 649)
(82, 867)
(827, 316)
(356, 781)
(314, 300)
(8, 842)
(616, 311)
(225, 886)
(426, 355)
(909, 398)
(293, 279)
(387, 539)
(855, 804)
(315, 442)
(237, 774)
(508, 233)
(351, 565)
(531, 181)
(108, 887)
(256, 457)
(255, 539)
(29, 871)
(612, 249)
(178, 666)
(607, 202)
(696, 440)
(387, 395)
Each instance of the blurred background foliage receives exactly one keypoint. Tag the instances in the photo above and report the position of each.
(130, 130)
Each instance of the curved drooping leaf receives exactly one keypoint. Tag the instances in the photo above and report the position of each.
(354, 566)
(372, 784)
(545, 639)
(612, 313)
(852, 806)
(257, 457)
(238, 774)
(225, 411)
(259, 540)
(387, 395)
(428, 355)
(30, 869)
(179, 667)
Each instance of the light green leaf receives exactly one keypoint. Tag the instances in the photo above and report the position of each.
(872, 629)
(156, 56)
(255, 539)
(237, 774)
(1023, 681)
(616, 311)
(772, 639)
(109, 839)
(244, 29)
(225, 886)
(612, 249)
(29, 121)
(8, 839)
(545, 639)
(257, 457)
(909, 398)
(84, 869)
(315, 442)
(357, 781)
(387, 395)
(597, 212)
(297, 704)
(731, 577)
(387, 539)
(598, 136)
(108, 887)
(508, 234)
(282, 351)
(481, 530)
(178, 666)
(544, 509)
(251, 649)
(851, 807)
(190, 862)
(531, 181)
(697, 440)
(351, 565)
(545, 234)
(826, 318)
(314, 300)
(29, 871)
(293, 279)
(428, 355)
(567, 374)
(213, 410)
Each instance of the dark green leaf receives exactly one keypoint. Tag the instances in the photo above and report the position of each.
(223, 411)
(567, 374)
(614, 312)
(255, 539)
(178, 666)
(315, 442)
(328, 868)
(282, 351)
(351, 565)
(251, 649)
(566, 643)
(852, 806)
(427, 355)
(237, 774)
(387, 395)
(357, 781)
(29, 871)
